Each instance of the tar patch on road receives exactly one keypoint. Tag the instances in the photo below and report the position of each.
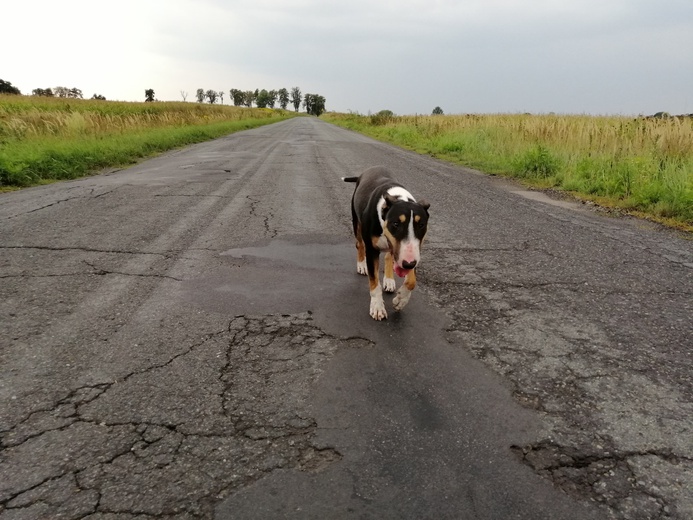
(400, 422)
(315, 274)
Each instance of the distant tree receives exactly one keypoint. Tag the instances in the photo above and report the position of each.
(283, 98)
(237, 96)
(314, 104)
(296, 98)
(249, 98)
(64, 92)
(211, 95)
(43, 92)
(272, 100)
(221, 96)
(319, 106)
(7, 88)
(262, 99)
(200, 95)
(184, 94)
(149, 95)
(99, 97)
(437, 111)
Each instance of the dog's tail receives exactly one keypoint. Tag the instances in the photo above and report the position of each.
(350, 179)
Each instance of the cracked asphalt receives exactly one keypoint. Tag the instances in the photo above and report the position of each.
(188, 338)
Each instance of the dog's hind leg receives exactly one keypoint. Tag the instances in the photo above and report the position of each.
(361, 267)
(404, 293)
(355, 220)
(389, 277)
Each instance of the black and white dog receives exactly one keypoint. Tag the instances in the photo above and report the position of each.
(387, 219)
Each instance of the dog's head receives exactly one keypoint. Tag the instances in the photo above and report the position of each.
(404, 225)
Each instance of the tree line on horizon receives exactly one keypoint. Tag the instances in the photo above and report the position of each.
(313, 103)
(6, 87)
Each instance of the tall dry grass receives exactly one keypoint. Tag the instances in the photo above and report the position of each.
(29, 117)
(643, 164)
(53, 138)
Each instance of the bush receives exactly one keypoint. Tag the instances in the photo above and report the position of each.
(537, 162)
(382, 118)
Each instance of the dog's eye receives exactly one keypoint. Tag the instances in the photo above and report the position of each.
(395, 224)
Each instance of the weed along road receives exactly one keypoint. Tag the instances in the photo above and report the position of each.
(189, 338)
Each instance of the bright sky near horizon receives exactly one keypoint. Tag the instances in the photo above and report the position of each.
(408, 56)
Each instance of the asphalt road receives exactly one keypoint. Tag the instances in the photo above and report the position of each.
(189, 338)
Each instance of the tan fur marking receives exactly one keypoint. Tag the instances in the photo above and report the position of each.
(374, 281)
(389, 265)
(417, 218)
(410, 280)
(389, 236)
(393, 242)
(360, 250)
(402, 218)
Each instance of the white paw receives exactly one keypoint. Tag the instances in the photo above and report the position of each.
(361, 268)
(378, 311)
(389, 285)
(402, 298)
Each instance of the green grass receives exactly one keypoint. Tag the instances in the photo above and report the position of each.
(44, 139)
(641, 165)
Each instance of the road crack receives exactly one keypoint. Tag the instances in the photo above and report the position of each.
(103, 272)
(271, 233)
(250, 386)
(85, 250)
(598, 393)
(606, 477)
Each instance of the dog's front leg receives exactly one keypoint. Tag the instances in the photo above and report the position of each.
(404, 293)
(389, 274)
(378, 311)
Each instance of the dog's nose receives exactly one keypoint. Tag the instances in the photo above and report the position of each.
(409, 265)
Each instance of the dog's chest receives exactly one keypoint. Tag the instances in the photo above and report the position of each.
(381, 243)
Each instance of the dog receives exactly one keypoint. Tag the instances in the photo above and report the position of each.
(387, 218)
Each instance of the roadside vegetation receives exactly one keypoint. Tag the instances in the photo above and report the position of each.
(44, 138)
(642, 165)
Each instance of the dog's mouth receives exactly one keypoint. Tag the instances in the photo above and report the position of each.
(401, 271)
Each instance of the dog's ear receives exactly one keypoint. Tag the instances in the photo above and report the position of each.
(424, 204)
(389, 201)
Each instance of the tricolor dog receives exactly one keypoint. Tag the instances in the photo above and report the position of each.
(387, 219)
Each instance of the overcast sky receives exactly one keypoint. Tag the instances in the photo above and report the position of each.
(408, 56)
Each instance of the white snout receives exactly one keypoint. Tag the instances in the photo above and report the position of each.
(409, 252)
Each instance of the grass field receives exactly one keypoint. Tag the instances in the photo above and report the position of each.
(44, 139)
(642, 165)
